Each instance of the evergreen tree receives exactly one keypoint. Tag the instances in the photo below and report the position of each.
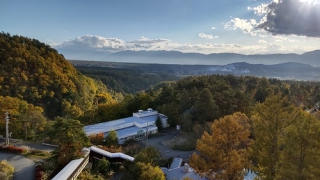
(205, 108)
(70, 137)
(111, 139)
(148, 155)
(103, 167)
(159, 123)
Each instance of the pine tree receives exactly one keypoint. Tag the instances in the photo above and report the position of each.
(159, 123)
(205, 108)
(111, 139)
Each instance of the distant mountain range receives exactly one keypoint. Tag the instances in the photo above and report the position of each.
(176, 57)
(289, 70)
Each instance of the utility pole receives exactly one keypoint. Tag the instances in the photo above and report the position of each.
(145, 144)
(7, 127)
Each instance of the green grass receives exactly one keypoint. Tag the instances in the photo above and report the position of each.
(189, 143)
(36, 154)
(187, 146)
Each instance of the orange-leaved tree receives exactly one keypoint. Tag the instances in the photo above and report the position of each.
(223, 154)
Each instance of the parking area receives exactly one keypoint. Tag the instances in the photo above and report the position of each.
(165, 151)
(24, 168)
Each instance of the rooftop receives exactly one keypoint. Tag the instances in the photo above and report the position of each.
(178, 172)
(140, 120)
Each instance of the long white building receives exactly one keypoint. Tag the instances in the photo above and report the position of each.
(135, 127)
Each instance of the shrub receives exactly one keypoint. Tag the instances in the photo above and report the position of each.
(25, 149)
(6, 170)
(11, 149)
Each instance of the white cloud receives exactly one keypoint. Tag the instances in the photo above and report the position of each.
(259, 10)
(247, 26)
(94, 42)
(213, 28)
(262, 41)
(292, 17)
(285, 17)
(144, 40)
(274, 46)
(281, 39)
(51, 42)
(207, 36)
(108, 45)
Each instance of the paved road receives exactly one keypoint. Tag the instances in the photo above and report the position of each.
(23, 167)
(165, 151)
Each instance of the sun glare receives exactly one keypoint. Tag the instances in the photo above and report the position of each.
(311, 1)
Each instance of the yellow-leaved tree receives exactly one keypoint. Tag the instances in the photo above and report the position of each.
(223, 154)
(270, 119)
(300, 158)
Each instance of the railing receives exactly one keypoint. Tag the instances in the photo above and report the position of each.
(77, 171)
(72, 170)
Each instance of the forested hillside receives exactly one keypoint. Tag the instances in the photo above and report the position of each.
(205, 98)
(35, 72)
(125, 80)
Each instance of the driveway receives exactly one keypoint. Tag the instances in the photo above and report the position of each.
(165, 151)
(24, 168)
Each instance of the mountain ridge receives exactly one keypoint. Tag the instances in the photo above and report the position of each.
(178, 57)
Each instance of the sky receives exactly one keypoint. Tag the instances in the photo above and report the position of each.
(202, 26)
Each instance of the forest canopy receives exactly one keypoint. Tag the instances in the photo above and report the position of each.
(35, 72)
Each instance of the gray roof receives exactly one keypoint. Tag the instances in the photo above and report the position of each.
(176, 163)
(175, 172)
(131, 131)
(178, 174)
(122, 124)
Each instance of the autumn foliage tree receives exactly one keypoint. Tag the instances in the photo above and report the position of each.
(35, 72)
(70, 137)
(270, 120)
(149, 172)
(300, 158)
(25, 119)
(96, 139)
(223, 154)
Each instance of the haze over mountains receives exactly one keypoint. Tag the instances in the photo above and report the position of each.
(284, 71)
(175, 57)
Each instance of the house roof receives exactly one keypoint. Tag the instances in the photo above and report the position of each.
(176, 171)
(131, 131)
(139, 122)
(178, 174)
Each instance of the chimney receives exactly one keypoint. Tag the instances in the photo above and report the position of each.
(186, 168)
